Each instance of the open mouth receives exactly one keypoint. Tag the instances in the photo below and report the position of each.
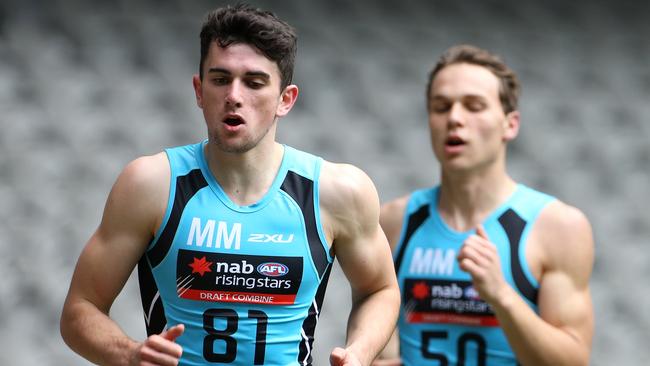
(454, 141)
(233, 121)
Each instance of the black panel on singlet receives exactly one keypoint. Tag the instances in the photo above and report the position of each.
(309, 325)
(415, 220)
(186, 187)
(154, 312)
(514, 226)
(301, 190)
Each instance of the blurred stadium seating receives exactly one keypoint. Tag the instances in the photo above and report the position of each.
(86, 86)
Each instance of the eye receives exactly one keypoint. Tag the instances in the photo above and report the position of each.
(439, 106)
(220, 80)
(475, 103)
(475, 106)
(255, 84)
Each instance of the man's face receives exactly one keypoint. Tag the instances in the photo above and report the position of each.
(240, 96)
(468, 126)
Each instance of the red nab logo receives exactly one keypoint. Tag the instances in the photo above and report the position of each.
(273, 269)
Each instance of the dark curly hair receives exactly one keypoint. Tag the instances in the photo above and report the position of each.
(243, 23)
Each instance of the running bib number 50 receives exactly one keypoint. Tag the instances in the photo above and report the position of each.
(226, 335)
(461, 345)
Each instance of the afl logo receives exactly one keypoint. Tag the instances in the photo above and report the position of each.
(471, 293)
(273, 269)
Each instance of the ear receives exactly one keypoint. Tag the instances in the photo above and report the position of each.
(198, 92)
(287, 100)
(511, 126)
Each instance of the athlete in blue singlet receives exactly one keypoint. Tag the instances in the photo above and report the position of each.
(442, 314)
(491, 272)
(234, 237)
(246, 281)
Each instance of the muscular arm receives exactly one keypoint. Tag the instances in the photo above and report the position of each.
(132, 212)
(562, 333)
(351, 209)
(391, 218)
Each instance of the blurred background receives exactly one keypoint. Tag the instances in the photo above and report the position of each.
(87, 86)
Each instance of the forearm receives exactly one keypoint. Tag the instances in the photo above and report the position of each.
(95, 336)
(371, 323)
(535, 341)
(389, 356)
(391, 349)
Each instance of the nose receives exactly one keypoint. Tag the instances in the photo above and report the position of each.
(456, 114)
(233, 95)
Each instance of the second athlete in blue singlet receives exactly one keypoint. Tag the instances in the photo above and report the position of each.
(442, 320)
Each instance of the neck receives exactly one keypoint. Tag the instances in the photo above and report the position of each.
(468, 198)
(245, 177)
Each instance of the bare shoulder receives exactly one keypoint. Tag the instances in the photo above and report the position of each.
(391, 218)
(146, 177)
(345, 185)
(139, 195)
(148, 171)
(348, 198)
(562, 221)
(566, 238)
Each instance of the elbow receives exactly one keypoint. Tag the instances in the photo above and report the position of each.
(583, 351)
(389, 295)
(71, 322)
(397, 296)
(65, 325)
(393, 299)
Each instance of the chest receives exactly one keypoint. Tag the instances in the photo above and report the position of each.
(431, 250)
(206, 224)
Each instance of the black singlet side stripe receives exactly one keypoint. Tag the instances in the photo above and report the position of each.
(152, 307)
(154, 312)
(301, 190)
(415, 220)
(514, 226)
(305, 349)
(186, 187)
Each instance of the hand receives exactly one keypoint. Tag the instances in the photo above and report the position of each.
(160, 349)
(479, 257)
(343, 357)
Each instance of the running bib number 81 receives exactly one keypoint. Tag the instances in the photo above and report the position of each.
(226, 335)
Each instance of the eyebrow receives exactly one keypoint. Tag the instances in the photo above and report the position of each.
(438, 96)
(464, 96)
(260, 74)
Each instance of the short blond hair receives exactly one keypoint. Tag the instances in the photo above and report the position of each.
(509, 87)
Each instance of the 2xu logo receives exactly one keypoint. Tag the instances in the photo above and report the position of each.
(270, 238)
(273, 269)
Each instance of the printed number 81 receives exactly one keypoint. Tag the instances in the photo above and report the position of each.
(232, 323)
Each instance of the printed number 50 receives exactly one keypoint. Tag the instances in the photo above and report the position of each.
(232, 323)
(461, 345)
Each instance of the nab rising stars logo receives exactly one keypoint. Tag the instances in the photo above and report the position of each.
(273, 269)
